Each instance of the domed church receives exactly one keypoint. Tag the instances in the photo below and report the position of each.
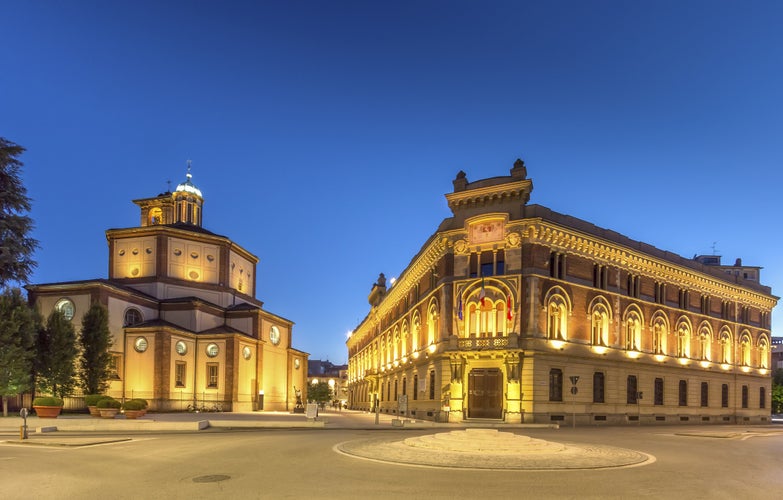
(187, 328)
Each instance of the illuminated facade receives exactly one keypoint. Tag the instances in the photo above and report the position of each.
(513, 312)
(187, 328)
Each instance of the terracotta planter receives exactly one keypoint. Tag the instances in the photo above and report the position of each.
(47, 411)
(109, 412)
(94, 412)
(133, 414)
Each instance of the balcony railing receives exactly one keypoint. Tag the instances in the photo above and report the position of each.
(473, 344)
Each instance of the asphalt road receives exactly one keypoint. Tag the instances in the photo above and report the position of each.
(708, 462)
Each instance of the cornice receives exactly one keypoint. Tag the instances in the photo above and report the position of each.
(601, 250)
(482, 195)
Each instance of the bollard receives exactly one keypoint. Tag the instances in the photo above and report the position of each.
(23, 428)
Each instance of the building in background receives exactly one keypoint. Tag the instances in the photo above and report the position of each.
(513, 312)
(186, 326)
(336, 376)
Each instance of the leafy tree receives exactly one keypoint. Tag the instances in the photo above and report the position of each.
(18, 325)
(777, 377)
(777, 398)
(319, 392)
(95, 340)
(55, 355)
(16, 246)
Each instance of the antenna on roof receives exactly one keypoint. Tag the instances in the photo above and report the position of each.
(168, 183)
(714, 250)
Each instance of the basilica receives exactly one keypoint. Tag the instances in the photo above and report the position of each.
(512, 312)
(187, 329)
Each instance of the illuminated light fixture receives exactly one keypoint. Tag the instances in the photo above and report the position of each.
(396, 363)
(315, 381)
(763, 371)
(633, 354)
(405, 359)
(659, 358)
(388, 366)
(704, 364)
(725, 366)
(432, 348)
(600, 349)
(557, 344)
(392, 282)
(745, 369)
(416, 355)
(683, 361)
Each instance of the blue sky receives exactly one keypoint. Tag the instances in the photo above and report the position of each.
(325, 134)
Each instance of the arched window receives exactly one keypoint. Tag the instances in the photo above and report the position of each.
(763, 353)
(432, 323)
(600, 325)
(396, 344)
(156, 216)
(132, 317)
(745, 349)
(725, 346)
(659, 333)
(557, 318)
(705, 343)
(633, 332)
(405, 344)
(683, 340)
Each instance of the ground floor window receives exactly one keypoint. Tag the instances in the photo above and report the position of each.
(432, 384)
(555, 384)
(744, 396)
(724, 395)
(395, 389)
(180, 373)
(683, 393)
(632, 390)
(415, 387)
(114, 366)
(658, 396)
(705, 390)
(404, 386)
(762, 397)
(212, 375)
(598, 387)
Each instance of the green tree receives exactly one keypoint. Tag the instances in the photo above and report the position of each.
(777, 399)
(55, 356)
(16, 245)
(18, 325)
(319, 392)
(95, 340)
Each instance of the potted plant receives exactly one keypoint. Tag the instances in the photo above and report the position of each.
(109, 407)
(144, 405)
(133, 408)
(91, 400)
(47, 407)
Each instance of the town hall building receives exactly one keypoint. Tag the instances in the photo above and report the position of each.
(512, 312)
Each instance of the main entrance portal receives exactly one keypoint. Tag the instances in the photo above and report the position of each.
(485, 395)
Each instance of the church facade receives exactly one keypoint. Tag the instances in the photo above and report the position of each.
(187, 329)
(513, 312)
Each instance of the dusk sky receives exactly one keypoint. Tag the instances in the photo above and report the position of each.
(324, 134)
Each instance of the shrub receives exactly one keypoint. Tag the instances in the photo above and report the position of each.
(92, 399)
(134, 404)
(144, 402)
(109, 403)
(47, 401)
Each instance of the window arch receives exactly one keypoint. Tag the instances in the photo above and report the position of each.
(396, 344)
(557, 318)
(763, 353)
(132, 317)
(745, 349)
(633, 330)
(705, 342)
(405, 344)
(432, 323)
(156, 216)
(725, 345)
(683, 339)
(660, 330)
(415, 331)
(599, 323)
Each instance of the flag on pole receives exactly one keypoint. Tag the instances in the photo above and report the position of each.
(509, 314)
(482, 293)
(459, 304)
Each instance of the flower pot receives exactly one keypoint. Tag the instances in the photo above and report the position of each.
(133, 414)
(109, 412)
(94, 412)
(47, 411)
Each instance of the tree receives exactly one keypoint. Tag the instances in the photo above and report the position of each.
(16, 246)
(319, 392)
(18, 325)
(55, 355)
(95, 339)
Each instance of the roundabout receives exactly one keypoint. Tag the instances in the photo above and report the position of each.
(490, 449)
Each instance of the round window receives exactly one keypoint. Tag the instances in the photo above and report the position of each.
(140, 344)
(274, 335)
(65, 306)
(182, 348)
(246, 353)
(212, 350)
